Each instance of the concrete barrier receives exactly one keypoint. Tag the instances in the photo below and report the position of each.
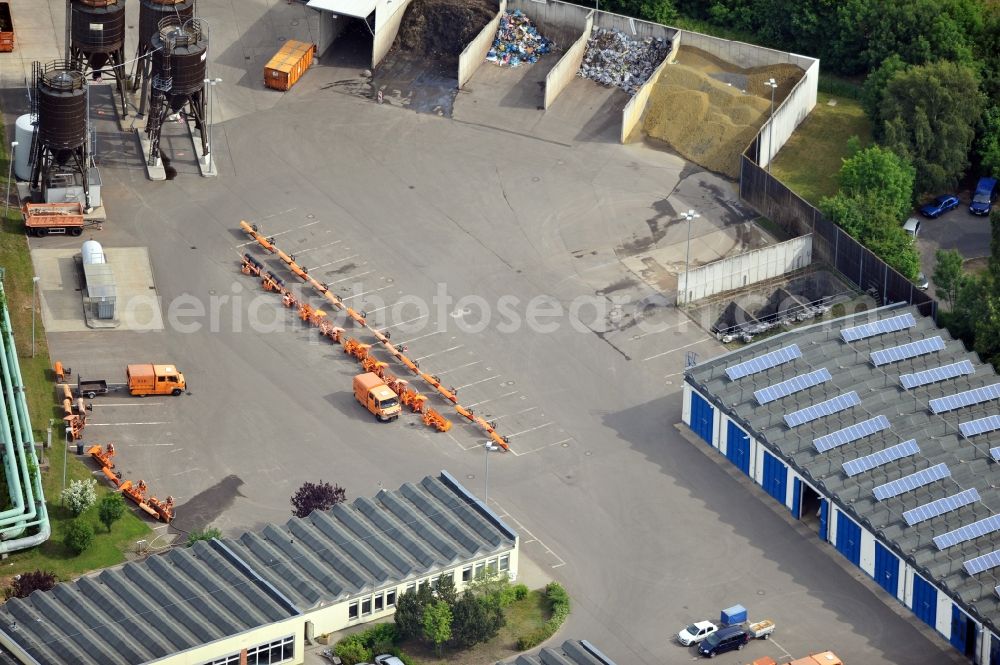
(561, 22)
(736, 272)
(474, 54)
(635, 109)
(388, 17)
(565, 70)
(788, 115)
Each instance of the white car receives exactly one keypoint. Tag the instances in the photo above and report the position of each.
(387, 659)
(696, 632)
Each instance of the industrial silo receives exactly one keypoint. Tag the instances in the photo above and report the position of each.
(60, 150)
(97, 40)
(151, 14)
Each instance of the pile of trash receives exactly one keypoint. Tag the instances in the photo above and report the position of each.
(517, 41)
(614, 59)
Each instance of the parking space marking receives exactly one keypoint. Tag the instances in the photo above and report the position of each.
(436, 332)
(330, 263)
(474, 362)
(516, 413)
(279, 233)
(378, 309)
(437, 353)
(657, 332)
(163, 422)
(489, 378)
(310, 249)
(492, 399)
(96, 404)
(532, 538)
(403, 323)
(784, 651)
(364, 293)
(535, 450)
(367, 272)
(664, 353)
(530, 429)
(149, 445)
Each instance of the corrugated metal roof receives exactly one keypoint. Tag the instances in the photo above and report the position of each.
(355, 8)
(100, 280)
(881, 393)
(571, 652)
(192, 596)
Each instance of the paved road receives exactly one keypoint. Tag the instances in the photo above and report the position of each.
(645, 530)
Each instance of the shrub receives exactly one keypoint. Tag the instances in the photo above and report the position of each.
(558, 601)
(24, 584)
(111, 509)
(475, 619)
(409, 615)
(206, 534)
(80, 495)
(520, 592)
(352, 651)
(78, 536)
(316, 496)
(362, 646)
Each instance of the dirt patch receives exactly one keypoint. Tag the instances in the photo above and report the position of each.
(443, 28)
(709, 110)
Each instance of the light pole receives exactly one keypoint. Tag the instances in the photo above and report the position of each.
(34, 285)
(689, 215)
(489, 447)
(211, 93)
(10, 170)
(770, 124)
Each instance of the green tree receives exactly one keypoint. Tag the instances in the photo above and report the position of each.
(882, 176)
(80, 495)
(922, 31)
(988, 145)
(874, 87)
(208, 533)
(475, 619)
(867, 220)
(948, 275)
(110, 509)
(929, 117)
(437, 624)
(444, 589)
(409, 616)
(79, 536)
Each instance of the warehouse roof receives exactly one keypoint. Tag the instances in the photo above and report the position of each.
(572, 652)
(894, 420)
(193, 596)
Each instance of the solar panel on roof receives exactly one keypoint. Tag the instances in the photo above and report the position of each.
(852, 433)
(878, 327)
(935, 374)
(903, 351)
(981, 563)
(830, 406)
(995, 452)
(967, 398)
(911, 482)
(972, 531)
(792, 385)
(890, 454)
(941, 506)
(764, 362)
(980, 426)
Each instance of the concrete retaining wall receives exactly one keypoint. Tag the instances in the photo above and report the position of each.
(635, 109)
(744, 269)
(561, 22)
(565, 70)
(475, 51)
(633, 27)
(792, 111)
(388, 16)
(330, 27)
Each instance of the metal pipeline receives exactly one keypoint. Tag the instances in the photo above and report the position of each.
(17, 494)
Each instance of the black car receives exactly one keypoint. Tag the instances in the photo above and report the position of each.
(726, 639)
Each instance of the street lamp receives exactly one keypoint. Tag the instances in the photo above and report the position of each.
(489, 447)
(34, 285)
(689, 215)
(770, 123)
(10, 168)
(211, 93)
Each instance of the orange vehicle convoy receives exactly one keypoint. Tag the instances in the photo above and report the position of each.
(374, 395)
(154, 380)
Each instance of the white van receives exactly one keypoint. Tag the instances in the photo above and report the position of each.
(912, 227)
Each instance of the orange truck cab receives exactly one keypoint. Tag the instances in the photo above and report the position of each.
(377, 397)
(154, 380)
(823, 658)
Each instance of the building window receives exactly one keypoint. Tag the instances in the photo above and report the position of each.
(421, 584)
(505, 562)
(378, 603)
(467, 574)
(271, 653)
(411, 587)
(492, 565)
(449, 575)
(352, 611)
(479, 568)
(366, 606)
(390, 598)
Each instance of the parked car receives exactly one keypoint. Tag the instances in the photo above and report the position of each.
(921, 282)
(721, 641)
(912, 227)
(387, 659)
(696, 632)
(984, 196)
(939, 206)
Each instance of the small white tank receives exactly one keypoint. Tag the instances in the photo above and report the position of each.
(23, 129)
(92, 253)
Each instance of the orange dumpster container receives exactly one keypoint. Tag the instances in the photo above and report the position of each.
(288, 64)
(6, 29)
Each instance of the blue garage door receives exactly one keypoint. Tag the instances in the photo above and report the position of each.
(924, 601)
(796, 498)
(994, 650)
(702, 417)
(848, 538)
(963, 631)
(775, 476)
(886, 569)
(824, 519)
(738, 447)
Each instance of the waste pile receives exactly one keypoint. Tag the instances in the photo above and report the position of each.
(517, 41)
(612, 58)
(443, 28)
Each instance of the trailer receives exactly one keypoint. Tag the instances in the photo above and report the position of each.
(42, 219)
(91, 388)
(761, 630)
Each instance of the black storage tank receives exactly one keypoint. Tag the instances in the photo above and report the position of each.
(98, 26)
(62, 107)
(151, 12)
(187, 47)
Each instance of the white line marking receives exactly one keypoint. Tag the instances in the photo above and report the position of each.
(532, 429)
(367, 272)
(535, 450)
(279, 233)
(437, 353)
(667, 376)
(403, 323)
(364, 293)
(532, 537)
(164, 422)
(787, 655)
(330, 263)
(143, 403)
(398, 344)
(474, 362)
(492, 399)
(378, 309)
(299, 252)
(149, 445)
(700, 341)
(657, 332)
(516, 413)
(467, 385)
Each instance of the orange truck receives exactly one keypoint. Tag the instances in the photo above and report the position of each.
(154, 380)
(377, 397)
(823, 658)
(42, 219)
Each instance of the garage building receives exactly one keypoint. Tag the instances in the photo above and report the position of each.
(885, 431)
(258, 599)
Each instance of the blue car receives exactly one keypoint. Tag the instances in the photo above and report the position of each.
(939, 206)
